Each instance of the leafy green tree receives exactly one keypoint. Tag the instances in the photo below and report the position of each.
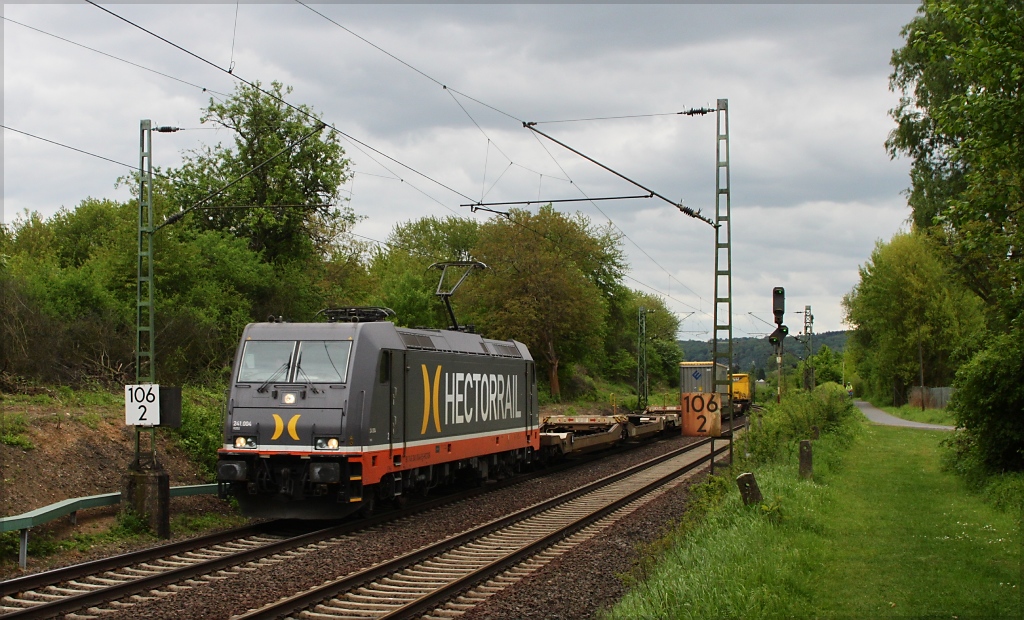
(546, 286)
(290, 165)
(827, 366)
(400, 272)
(961, 120)
(908, 314)
(663, 354)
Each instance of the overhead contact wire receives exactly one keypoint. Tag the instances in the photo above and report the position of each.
(357, 141)
(58, 37)
(278, 99)
(591, 200)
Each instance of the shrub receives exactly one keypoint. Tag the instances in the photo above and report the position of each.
(988, 402)
(780, 427)
(200, 434)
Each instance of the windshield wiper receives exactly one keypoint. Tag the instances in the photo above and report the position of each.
(298, 367)
(263, 388)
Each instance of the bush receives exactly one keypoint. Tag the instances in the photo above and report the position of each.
(988, 401)
(201, 433)
(780, 428)
(579, 385)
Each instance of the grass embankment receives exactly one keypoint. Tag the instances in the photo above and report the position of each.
(928, 416)
(881, 532)
(80, 421)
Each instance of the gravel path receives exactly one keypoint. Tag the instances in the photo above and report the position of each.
(593, 572)
(878, 416)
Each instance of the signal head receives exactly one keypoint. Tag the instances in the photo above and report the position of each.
(778, 303)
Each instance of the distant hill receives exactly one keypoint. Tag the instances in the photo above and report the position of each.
(758, 352)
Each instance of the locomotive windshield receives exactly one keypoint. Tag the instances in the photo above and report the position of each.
(316, 361)
(323, 361)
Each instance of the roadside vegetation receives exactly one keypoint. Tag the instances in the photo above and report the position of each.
(881, 531)
(927, 415)
(941, 304)
(555, 280)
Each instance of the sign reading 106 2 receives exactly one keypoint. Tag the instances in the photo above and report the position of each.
(142, 405)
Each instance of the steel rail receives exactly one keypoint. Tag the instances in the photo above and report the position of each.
(77, 571)
(439, 596)
(88, 599)
(311, 597)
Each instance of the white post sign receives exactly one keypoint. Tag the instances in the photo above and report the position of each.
(142, 405)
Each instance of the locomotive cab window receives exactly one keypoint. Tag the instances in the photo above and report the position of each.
(323, 361)
(265, 360)
(287, 361)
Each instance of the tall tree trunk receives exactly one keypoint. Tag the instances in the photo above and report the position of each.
(552, 356)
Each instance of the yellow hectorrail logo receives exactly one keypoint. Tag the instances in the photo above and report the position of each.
(427, 390)
(279, 426)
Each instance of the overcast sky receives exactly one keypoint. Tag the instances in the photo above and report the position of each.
(807, 86)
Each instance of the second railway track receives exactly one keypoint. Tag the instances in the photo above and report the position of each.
(101, 587)
(425, 582)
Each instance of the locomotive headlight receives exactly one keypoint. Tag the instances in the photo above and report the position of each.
(289, 399)
(327, 443)
(245, 442)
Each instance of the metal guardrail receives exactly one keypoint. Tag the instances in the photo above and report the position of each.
(71, 507)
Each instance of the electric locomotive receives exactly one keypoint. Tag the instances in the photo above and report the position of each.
(326, 419)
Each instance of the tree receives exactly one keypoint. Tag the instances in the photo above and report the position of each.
(546, 285)
(961, 120)
(906, 310)
(663, 354)
(827, 366)
(400, 271)
(286, 204)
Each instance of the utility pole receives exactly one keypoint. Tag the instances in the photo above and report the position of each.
(642, 384)
(145, 322)
(145, 336)
(147, 489)
(808, 336)
(722, 320)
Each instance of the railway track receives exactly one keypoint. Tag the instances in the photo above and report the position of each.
(93, 588)
(428, 581)
(62, 591)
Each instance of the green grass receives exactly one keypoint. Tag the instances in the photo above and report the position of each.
(928, 416)
(128, 527)
(198, 523)
(882, 532)
(12, 430)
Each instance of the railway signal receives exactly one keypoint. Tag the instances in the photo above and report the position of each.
(778, 303)
(780, 333)
(776, 336)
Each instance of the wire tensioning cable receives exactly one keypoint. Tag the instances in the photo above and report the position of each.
(532, 202)
(678, 205)
(601, 211)
(688, 112)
